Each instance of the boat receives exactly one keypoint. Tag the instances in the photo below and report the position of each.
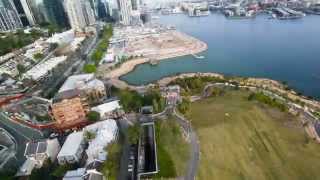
(153, 62)
(197, 56)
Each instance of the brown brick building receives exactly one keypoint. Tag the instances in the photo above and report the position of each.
(69, 109)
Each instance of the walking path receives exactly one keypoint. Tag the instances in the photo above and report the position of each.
(194, 144)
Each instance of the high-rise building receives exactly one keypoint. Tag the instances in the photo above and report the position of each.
(94, 6)
(102, 9)
(55, 12)
(135, 4)
(125, 7)
(22, 14)
(45, 11)
(28, 12)
(9, 17)
(80, 13)
(35, 11)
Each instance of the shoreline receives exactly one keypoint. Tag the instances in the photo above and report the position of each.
(263, 83)
(194, 46)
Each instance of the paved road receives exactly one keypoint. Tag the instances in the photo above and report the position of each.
(21, 134)
(125, 150)
(194, 144)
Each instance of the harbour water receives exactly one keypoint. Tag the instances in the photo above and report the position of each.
(261, 47)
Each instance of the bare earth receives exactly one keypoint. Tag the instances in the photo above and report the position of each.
(175, 44)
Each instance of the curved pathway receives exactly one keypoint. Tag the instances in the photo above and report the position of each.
(194, 144)
(193, 163)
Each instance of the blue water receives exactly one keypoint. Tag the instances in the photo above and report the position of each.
(282, 50)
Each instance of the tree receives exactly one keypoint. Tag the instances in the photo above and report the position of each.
(155, 105)
(130, 100)
(111, 167)
(61, 170)
(38, 56)
(21, 69)
(184, 106)
(134, 133)
(89, 135)
(93, 116)
(89, 68)
(97, 56)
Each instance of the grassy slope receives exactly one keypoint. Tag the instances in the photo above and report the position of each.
(173, 150)
(253, 142)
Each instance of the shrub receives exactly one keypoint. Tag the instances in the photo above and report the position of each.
(89, 68)
(93, 116)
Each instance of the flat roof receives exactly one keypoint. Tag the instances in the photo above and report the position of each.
(107, 107)
(106, 132)
(75, 174)
(81, 81)
(26, 168)
(72, 144)
(43, 68)
(36, 147)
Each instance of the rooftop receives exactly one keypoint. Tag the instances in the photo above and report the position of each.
(26, 168)
(61, 38)
(81, 81)
(35, 148)
(106, 132)
(75, 174)
(66, 95)
(72, 144)
(43, 68)
(107, 107)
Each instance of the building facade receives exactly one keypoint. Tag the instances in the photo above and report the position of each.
(55, 12)
(80, 14)
(72, 149)
(125, 7)
(21, 12)
(28, 12)
(9, 17)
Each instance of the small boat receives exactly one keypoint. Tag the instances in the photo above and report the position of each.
(197, 56)
(153, 62)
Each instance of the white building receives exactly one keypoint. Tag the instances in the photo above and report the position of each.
(42, 150)
(83, 174)
(105, 110)
(82, 82)
(37, 153)
(108, 57)
(72, 149)
(105, 133)
(77, 174)
(43, 69)
(92, 87)
(62, 38)
(38, 47)
(80, 14)
(125, 11)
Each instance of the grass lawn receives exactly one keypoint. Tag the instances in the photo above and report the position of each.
(173, 150)
(245, 140)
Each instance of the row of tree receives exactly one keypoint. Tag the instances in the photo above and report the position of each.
(12, 41)
(132, 101)
(102, 48)
(194, 85)
(267, 100)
